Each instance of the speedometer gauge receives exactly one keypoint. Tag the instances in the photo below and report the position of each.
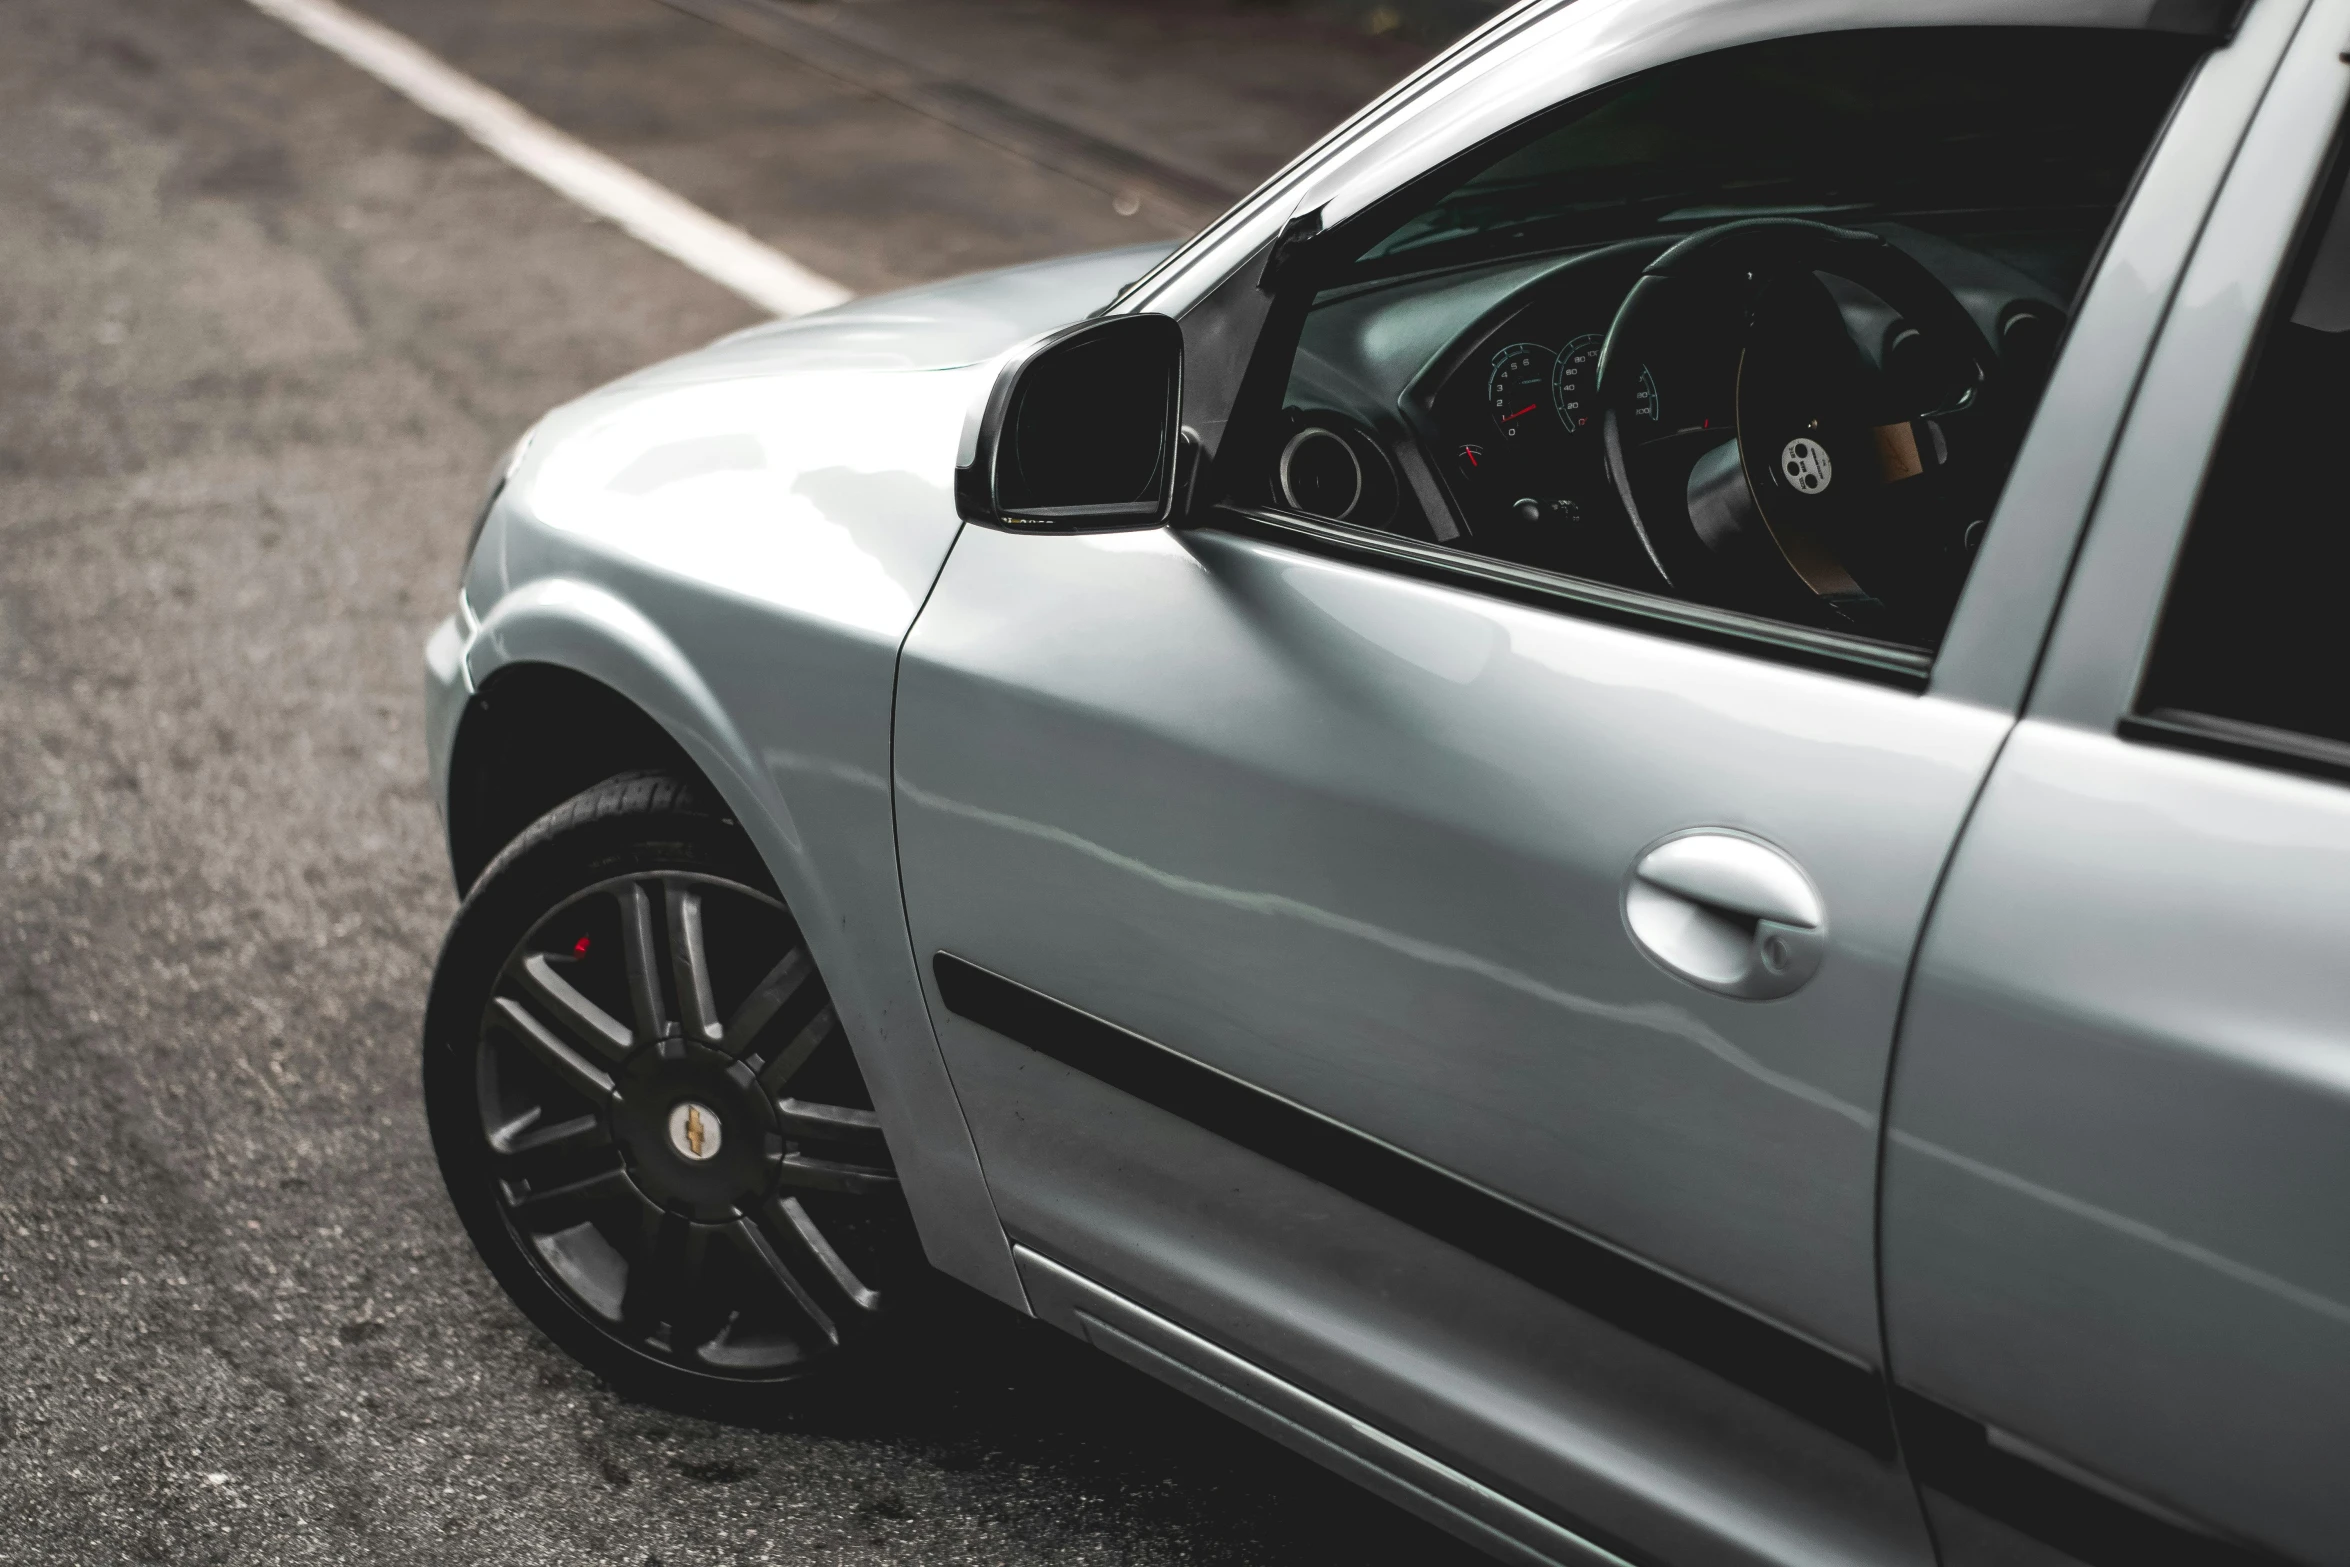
(1574, 384)
(1518, 386)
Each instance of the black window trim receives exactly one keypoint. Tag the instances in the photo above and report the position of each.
(1891, 664)
(2234, 740)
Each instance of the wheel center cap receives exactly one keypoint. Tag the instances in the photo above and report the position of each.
(695, 1132)
(698, 1131)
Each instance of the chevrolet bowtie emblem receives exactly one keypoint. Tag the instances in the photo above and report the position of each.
(694, 1131)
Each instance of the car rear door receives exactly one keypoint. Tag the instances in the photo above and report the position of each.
(2117, 1191)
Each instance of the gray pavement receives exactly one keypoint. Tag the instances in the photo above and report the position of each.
(1189, 106)
(263, 326)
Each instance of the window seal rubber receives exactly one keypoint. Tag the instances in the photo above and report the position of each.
(2235, 740)
(1882, 663)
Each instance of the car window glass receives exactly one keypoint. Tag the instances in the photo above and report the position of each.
(1759, 330)
(2253, 632)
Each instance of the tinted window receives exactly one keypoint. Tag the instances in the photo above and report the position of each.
(1875, 240)
(2041, 125)
(2255, 630)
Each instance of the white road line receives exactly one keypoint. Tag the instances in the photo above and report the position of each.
(660, 217)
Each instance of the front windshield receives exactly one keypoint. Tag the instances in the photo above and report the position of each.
(1924, 125)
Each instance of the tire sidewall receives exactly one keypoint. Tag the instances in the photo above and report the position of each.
(654, 825)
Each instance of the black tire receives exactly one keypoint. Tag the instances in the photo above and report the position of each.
(647, 1191)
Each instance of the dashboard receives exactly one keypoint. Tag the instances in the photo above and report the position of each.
(1459, 409)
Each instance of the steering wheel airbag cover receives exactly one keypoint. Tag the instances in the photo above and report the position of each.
(1737, 262)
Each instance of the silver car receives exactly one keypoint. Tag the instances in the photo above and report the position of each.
(1627, 811)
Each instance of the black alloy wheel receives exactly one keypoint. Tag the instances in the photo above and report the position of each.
(647, 1112)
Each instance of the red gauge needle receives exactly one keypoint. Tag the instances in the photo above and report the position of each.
(1521, 413)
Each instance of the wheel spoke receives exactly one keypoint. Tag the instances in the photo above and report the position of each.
(695, 1318)
(552, 1207)
(776, 1073)
(644, 975)
(689, 962)
(762, 1251)
(524, 1138)
(541, 1041)
(771, 996)
(503, 1134)
(830, 1175)
(590, 1024)
(657, 1275)
(830, 1123)
(788, 1216)
(667, 1300)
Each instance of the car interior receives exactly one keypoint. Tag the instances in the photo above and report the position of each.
(1760, 330)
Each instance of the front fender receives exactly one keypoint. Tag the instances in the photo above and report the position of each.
(742, 560)
(592, 631)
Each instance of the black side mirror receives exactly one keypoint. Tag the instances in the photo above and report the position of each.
(1080, 432)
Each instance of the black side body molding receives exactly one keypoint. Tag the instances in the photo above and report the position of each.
(1950, 1453)
(1840, 1396)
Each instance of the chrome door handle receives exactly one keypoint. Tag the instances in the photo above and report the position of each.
(1728, 912)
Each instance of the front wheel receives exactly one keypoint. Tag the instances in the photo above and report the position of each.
(646, 1110)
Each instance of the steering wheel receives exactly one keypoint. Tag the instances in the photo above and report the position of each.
(1826, 500)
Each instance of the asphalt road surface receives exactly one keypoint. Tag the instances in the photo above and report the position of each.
(263, 327)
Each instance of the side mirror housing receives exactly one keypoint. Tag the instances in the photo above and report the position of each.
(1080, 432)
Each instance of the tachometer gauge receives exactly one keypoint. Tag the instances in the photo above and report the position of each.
(1574, 382)
(1519, 386)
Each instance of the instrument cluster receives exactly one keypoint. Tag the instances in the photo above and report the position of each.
(1536, 392)
(1517, 407)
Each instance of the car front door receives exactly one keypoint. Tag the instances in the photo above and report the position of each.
(1467, 994)
(2117, 1250)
